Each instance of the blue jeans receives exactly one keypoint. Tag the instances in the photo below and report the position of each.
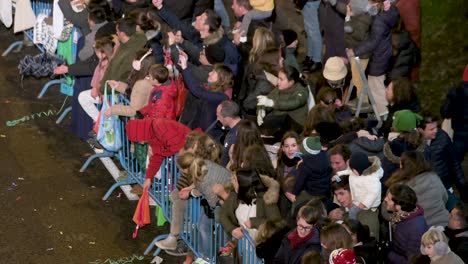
(220, 9)
(312, 29)
(205, 234)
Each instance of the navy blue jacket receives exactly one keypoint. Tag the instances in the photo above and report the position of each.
(210, 100)
(232, 57)
(456, 107)
(407, 238)
(286, 255)
(379, 42)
(314, 175)
(445, 162)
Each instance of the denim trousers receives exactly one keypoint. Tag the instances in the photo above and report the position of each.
(312, 29)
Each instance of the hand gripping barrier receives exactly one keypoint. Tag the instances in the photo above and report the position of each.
(202, 235)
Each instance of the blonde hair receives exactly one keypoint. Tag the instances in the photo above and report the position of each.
(262, 40)
(185, 159)
(198, 170)
(267, 229)
(433, 236)
(191, 140)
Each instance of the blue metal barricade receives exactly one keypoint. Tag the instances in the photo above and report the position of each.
(39, 7)
(204, 239)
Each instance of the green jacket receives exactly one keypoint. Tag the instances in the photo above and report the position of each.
(292, 101)
(267, 208)
(121, 64)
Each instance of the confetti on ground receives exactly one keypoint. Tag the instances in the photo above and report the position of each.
(49, 249)
(7, 101)
(21, 178)
(92, 243)
(61, 232)
(50, 226)
(93, 187)
(18, 198)
(120, 194)
(22, 219)
(3, 136)
(35, 210)
(70, 247)
(61, 199)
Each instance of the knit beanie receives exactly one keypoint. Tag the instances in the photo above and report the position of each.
(359, 161)
(342, 256)
(289, 36)
(405, 120)
(214, 53)
(311, 145)
(465, 74)
(139, 130)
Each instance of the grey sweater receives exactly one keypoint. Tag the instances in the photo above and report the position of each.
(216, 174)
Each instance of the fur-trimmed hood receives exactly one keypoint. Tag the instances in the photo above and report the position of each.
(214, 37)
(271, 196)
(375, 167)
(393, 149)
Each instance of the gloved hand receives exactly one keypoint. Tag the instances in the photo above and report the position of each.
(265, 101)
(260, 115)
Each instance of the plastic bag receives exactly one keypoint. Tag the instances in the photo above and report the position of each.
(109, 133)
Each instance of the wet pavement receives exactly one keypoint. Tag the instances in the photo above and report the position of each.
(50, 212)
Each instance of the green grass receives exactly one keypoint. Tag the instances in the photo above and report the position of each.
(444, 49)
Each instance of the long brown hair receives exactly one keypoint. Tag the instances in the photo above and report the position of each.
(319, 113)
(335, 236)
(247, 135)
(225, 78)
(413, 163)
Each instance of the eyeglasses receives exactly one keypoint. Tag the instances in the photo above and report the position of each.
(304, 228)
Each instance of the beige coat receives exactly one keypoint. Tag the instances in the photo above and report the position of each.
(139, 98)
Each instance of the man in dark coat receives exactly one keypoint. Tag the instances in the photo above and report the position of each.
(456, 108)
(204, 31)
(457, 231)
(408, 224)
(443, 156)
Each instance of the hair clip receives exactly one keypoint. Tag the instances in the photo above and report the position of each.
(337, 178)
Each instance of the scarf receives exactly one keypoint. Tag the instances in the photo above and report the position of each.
(397, 217)
(289, 162)
(295, 239)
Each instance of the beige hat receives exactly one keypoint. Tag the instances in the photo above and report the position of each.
(335, 69)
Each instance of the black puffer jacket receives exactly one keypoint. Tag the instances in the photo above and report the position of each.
(379, 42)
(255, 83)
(456, 107)
(406, 55)
(314, 175)
(444, 161)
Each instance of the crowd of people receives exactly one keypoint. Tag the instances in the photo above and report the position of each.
(273, 153)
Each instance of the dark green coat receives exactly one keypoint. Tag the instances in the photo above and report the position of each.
(267, 208)
(121, 64)
(292, 101)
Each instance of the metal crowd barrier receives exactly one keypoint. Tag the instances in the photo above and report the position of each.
(66, 86)
(160, 191)
(39, 7)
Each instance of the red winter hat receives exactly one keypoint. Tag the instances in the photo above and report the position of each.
(465, 74)
(139, 130)
(342, 256)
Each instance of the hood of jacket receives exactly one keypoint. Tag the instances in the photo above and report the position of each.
(373, 146)
(214, 37)
(375, 168)
(393, 149)
(271, 196)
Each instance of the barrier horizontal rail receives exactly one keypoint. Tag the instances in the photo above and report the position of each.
(203, 239)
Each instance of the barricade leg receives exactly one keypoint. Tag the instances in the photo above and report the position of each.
(63, 115)
(17, 44)
(93, 157)
(151, 246)
(46, 87)
(115, 186)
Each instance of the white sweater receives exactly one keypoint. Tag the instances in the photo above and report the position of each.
(366, 188)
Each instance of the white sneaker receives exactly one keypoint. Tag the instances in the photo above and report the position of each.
(170, 243)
